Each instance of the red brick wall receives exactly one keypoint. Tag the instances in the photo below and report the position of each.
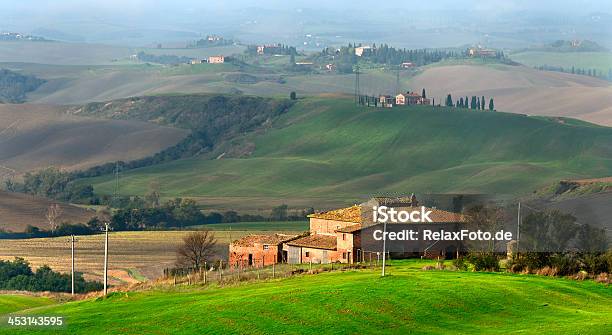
(239, 255)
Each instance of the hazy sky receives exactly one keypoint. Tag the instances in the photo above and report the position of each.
(146, 21)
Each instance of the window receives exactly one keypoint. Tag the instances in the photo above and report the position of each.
(307, 254)
(266, 247)
(344, 255)
(343, 237)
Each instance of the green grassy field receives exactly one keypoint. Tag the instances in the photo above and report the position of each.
(328, 147)
(352, 302)
(298, 226)
(13, 302)
(602, 61)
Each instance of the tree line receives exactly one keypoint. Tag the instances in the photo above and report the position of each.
(576, 70)
(476, 103)
(18, 275)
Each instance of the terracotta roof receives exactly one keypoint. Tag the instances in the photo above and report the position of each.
(353, 214)
(350, 229)
(275, 239)
(348, 214)
(437, 215)
(315, 241)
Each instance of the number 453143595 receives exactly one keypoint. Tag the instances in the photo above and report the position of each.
(35, 321)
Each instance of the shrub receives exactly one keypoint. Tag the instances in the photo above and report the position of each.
(484, 261)
(603, 278)
(460, 264)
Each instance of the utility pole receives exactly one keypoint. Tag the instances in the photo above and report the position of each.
(72, 258)
(518, 228)
(105, 258)
(357, 88)
(384, 257)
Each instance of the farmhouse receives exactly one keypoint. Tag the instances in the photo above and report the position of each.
(259, 250)
(411, 98)
(386, 100)
(481, 52)
(334, 236)
(216, 59)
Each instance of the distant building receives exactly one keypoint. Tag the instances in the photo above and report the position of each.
(407, 65)
(386, 101)
(195, 61)
(481, 52)
(411, 98)
(214, 38)
(330, 67)
(216, 59)
(359, 51)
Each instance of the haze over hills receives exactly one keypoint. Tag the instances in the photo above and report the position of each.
(38, 136)
(516, 89)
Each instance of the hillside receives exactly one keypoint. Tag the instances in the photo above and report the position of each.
(523, 90)
(18, 210)
(14, 86)
(518, 89)
(326, 148)
(353, 302)
(38, 136)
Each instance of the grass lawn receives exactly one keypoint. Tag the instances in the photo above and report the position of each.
(272, 226)
(14, 302)
(409, 300)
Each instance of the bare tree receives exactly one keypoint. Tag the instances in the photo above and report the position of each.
(53, 214)
(197, 247)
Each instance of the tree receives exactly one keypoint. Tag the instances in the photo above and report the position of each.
(293, 95)
(152, 198)
(197, 247)
(449, 100)
(482, 103)
(423, 94)
(491, 105)
(279, 213)
(53, 214)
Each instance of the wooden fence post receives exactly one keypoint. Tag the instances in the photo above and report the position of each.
(205, 272)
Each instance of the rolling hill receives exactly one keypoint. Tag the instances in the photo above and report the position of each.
(18, 210)
(351, 302)
(326, 148)
(519, 89)
(38, 136)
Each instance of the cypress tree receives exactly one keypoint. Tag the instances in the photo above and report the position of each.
(423, 95)
(491, 105)
(482, 103)
(449, 100)
(461, 102)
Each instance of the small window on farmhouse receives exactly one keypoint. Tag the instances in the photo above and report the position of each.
(344, 255)
(307, 254)
(343, 237)
(266, 247)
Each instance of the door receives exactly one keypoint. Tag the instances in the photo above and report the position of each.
(294, 255)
